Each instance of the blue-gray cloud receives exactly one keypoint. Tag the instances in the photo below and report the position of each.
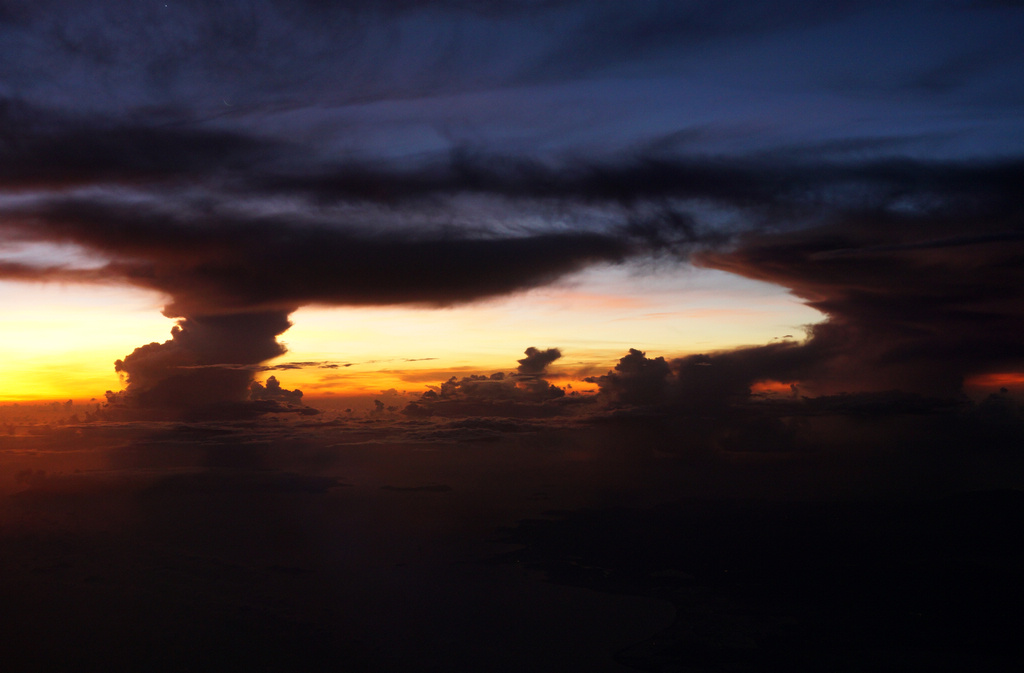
(246, 159)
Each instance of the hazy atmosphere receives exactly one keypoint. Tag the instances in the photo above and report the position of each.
(512, 336)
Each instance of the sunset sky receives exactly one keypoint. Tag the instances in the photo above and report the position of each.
(427, 189)
(62, 339)
(539, 335)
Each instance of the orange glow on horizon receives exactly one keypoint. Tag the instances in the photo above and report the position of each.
(61, 381)
(61, 341)
(774, 387)
(412, 382)
(1008, 380)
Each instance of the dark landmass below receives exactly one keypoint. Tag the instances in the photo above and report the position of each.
(932, 585)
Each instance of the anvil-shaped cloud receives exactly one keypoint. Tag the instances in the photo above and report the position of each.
(312, 154)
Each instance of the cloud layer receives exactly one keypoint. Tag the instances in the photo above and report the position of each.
(311, 154)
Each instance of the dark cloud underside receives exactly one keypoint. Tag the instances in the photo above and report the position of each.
(247, 159)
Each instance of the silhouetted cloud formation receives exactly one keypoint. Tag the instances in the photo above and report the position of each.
(637, 380)
(536, 361)
(273, 391)
(916, 269)
(247, 160)
(520, 394)
(185, 371)
(703, 406)
(915, 300)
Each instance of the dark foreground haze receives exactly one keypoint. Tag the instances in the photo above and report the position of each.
(624, 541)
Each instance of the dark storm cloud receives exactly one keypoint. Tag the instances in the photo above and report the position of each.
(207, 59)
(211, 264)
(46, 148)
(918, 268)
(218, 35)
(188, 370)
(58, 150)
(524, 393)
(199, 150)
(624, 32)
(783, 180)
(637, 380)
(702, 408)
(907, 306)
(912, 261)
(274, 391)
(702, 383)
(627, 180)
(497, 7)
(907, 309)
(234, 280)
(921, 290)
(204, 58)
(536, 361)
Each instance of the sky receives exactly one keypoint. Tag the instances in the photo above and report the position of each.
(540, 335)
(397, 192)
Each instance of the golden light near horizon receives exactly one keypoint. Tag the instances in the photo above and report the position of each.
(60, 341)
(594, 317)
